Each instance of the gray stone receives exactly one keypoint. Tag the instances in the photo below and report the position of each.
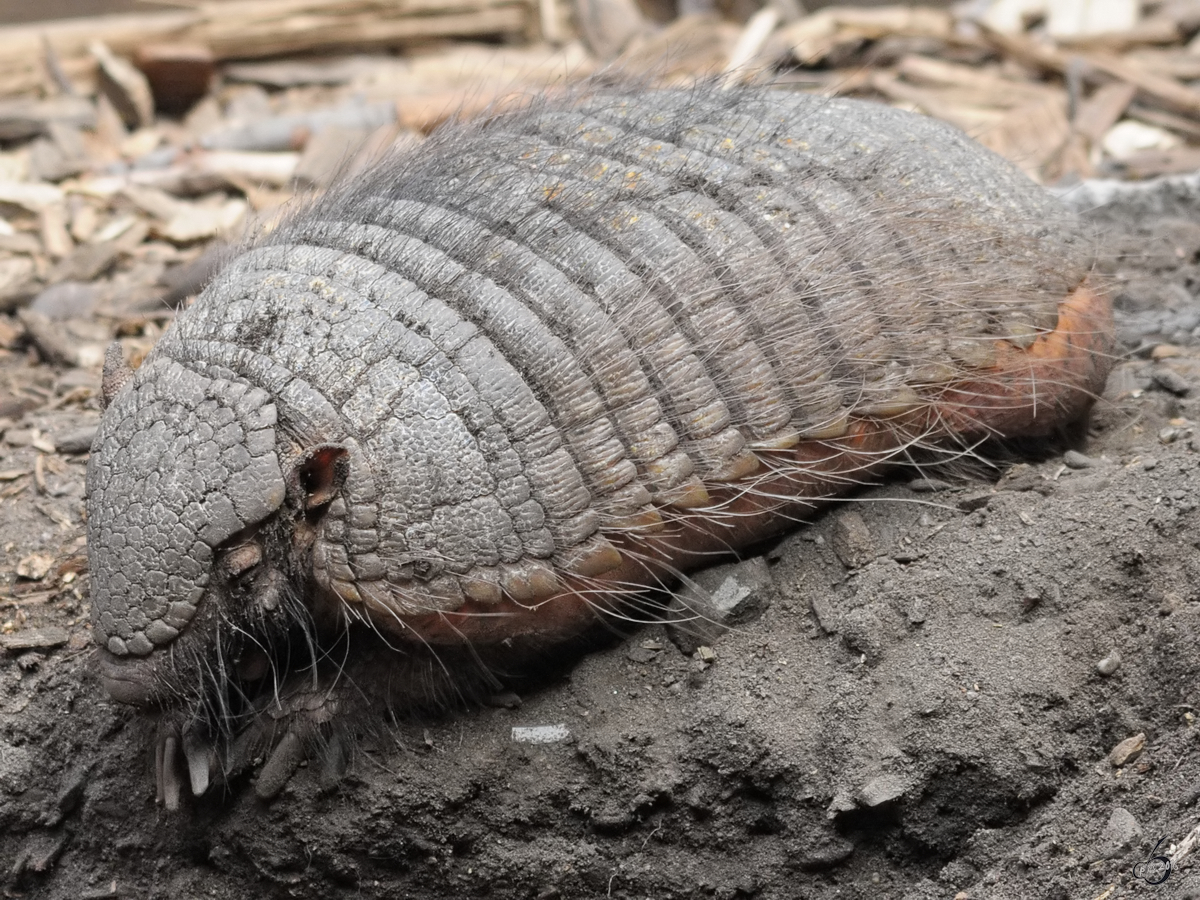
(712, 600)
(1121, 834)
(852, 540)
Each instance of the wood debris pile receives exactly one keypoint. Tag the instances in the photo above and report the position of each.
(129, 143)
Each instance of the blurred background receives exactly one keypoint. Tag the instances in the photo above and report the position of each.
(132, 135)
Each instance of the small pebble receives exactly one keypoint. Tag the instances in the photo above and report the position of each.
(974, 502)
(1170, 380)
(35, 566)
(715, 599)
(852, 539)
(78, 440)
(1165, 351)
(928, 485)
(883, 789)
(1127, 751)
(18, 437)
(1110, 663)
(66, 300)
(1121, 833)
(1073, 459)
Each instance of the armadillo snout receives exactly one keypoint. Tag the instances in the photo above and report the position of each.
(183, 461)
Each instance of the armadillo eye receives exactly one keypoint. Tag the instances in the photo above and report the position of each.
(242, 559)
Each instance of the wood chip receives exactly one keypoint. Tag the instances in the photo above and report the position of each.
(329, 152)
(1150, 31)
(124, 86)
(275, 169)
(31, 196)
(687, 46)
(45, 638)
(84, 222)
(1153, 163)
(1161, 89)
(291, 132)
(1030, 135)
(253, 29)
(1096, 115)
(10, 334)
(988, 82)
(20, 242)
(53, 226)
(750, 42)
(65, 343)
(39, 478)
(87, 261)
(813, 37)
(1181, 125)
(153, 201)
(286, 73)
(17, 281)
(197, 222)
(1074, 18)
(608, 26)
(22, 118)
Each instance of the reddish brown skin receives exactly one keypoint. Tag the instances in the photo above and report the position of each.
(1027, 393)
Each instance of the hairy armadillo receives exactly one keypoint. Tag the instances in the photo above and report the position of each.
(508, 380)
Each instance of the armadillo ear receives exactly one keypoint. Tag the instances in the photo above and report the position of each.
(116, 373)
(320, 475)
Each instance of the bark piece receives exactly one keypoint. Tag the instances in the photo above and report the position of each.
(23, 118)
(125, 87)
(178, 74)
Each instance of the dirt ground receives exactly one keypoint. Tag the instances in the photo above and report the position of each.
(914, 708)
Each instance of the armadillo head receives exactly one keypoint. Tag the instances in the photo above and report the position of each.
(184, 466)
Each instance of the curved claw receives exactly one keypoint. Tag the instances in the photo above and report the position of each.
(285, 729)
(280, 766)
(201, 762)
(166, 771)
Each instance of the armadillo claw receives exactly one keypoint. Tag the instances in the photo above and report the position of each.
(286, 732)
(201, 762)
(181, 756)
(280, 766)
(166, 771)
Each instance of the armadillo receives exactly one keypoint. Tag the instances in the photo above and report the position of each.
(498, 386)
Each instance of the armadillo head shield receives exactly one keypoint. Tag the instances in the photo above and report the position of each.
(183, 461)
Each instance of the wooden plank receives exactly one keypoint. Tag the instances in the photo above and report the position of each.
(1165, 91)
(1158, 89)
(253, 29)
(1102, 110)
